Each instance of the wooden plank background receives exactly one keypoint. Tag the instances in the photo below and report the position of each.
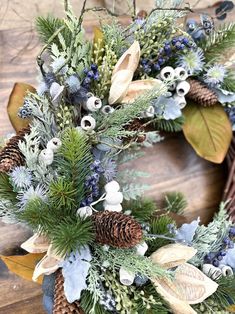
(173, 164)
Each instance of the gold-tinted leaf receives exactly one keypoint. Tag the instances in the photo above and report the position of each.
(231, 308)
(16, 100)
(208, 130)
(23, 265)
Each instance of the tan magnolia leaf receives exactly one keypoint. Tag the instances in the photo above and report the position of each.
(36, 244)
(119, 86)
(172, 255)
(48, 265)
(139, 87)
(189, 286)
(208, 130)
(23, 266)
(16, 100)
(123, 73)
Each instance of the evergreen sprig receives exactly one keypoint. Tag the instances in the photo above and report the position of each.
(229, 81)
(170, 126)
(71, 234)
(47, 26)
(88, 306)
(6, 189)
(73, 163)
(175, 202)
(128, 259)
(159, 225)
(219, 42)
(141, 209)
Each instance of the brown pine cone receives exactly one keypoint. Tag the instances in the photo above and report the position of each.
(116, 229)
(61, 305)
(201, 94)
(137, 126)
(10, 155)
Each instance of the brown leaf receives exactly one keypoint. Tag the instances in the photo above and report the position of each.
(208, 130)
(16, 100)
(23, 265)
(231, 308)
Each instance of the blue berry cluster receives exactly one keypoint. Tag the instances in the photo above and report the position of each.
(92, 74)
(176, 45)
(228, 243)
(25, 111)
(92, 183)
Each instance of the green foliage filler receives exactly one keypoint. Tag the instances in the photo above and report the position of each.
(159, 225)
(229, 81)
(175, 202)
(223, 39)
(73, 162)
(142, 209)
(6, 189)
(170, 125)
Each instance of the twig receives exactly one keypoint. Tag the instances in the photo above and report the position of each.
(82, 12)
(99, 9)
(134, 9)
(66, 5)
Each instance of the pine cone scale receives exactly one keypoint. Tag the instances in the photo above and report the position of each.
(116, 229)
(201, 94)
(10, 155)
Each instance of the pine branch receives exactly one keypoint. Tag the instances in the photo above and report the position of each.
(6, 189)
(47, 26)
(170, 125)
(71, 234)
(229, 81)
(141, 209)
(87, 304)
(175, 202)
(73, 163)
(159, 225)
(220, 41)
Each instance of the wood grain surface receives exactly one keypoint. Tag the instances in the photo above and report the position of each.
(173, 165)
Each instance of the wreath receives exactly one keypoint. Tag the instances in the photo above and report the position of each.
(100, 246)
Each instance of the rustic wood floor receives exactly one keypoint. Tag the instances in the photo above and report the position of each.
(173, 164)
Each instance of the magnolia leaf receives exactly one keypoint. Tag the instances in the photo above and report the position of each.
(16, 100)
(231, 308)
(208, 130)
(23, 265)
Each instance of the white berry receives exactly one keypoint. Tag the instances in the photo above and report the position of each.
(46, 156)
(54, 144)
(112, 186)
(88, 123)
(112, 208)
(84, 212)
(114, 198)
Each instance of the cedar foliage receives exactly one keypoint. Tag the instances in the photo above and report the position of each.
(170, 125)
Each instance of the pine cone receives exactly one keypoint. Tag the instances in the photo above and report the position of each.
(116, 229)
(10, 155)
(201, 94)
(61, 305)
(137, 125)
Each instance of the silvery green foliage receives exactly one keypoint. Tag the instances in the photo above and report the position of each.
(75, 270)
(152, 138)
(166, 4)
(133, 191)
(187, 231)
(76, 55)
(128, 175)
(6, 212)
(30, 149)
(209, 238)
(224, 96)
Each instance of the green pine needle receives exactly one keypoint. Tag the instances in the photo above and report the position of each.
(170, 125)
(220, 41)
(159, 225)
(63, 194)
(175, 202)
(47, 26)
(141, 209)
(6, 189)
(229, 81)
(73, 161)
(71, 234)
(87, 304)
